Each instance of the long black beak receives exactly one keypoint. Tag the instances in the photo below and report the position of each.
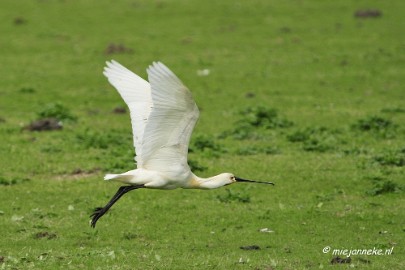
(251, 181)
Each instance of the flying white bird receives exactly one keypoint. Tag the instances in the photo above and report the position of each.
(163, 115)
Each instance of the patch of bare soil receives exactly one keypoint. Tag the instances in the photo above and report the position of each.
(252, 247)
(368, 13)
(338, 260)
(44, 125)
(46, 235)
(119, 110)
(113, 48)
(78, 174)
(19, 20)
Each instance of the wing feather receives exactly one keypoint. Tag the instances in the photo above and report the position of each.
(170, 123)
(136, 93)
(163, 115)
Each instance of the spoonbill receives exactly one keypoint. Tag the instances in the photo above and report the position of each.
(163, 114)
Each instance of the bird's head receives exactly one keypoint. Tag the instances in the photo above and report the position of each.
(229, 178)
(219, 180)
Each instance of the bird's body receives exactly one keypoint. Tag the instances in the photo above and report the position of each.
(163, 115)
(153, 179)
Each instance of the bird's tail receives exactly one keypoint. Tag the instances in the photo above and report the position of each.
(111, 176)
(125, 178)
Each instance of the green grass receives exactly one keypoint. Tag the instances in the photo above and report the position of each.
(301, 93)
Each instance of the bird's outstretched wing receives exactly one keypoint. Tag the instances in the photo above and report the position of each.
(136, 93)
(170, 123)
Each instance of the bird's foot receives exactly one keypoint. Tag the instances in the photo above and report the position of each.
(97, 214)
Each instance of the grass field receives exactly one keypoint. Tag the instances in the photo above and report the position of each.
(306, 94)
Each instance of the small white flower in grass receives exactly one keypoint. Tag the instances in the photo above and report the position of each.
(203, 72)
(10, 259)
(111, 254)
(71, 208)
(16, 218)
(241, 260)
(266, 230)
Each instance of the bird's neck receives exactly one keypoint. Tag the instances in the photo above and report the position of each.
(204, 183)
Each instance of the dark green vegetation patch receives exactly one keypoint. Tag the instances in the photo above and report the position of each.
(56, 110)
(254, 121)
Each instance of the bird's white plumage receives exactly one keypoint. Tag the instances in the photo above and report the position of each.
(136, 93)
(163, 115)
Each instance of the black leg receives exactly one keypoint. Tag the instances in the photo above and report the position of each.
(100, 211)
